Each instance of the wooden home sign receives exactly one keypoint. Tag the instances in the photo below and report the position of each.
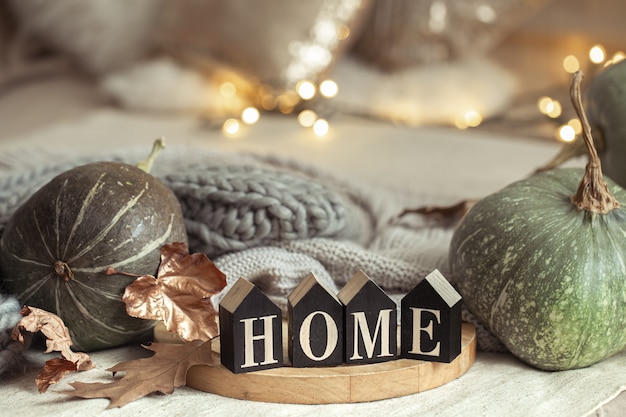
(356, 326)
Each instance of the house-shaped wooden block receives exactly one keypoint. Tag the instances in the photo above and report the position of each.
(431, 321)
(315, 325)
(370, 322)
(250, 329)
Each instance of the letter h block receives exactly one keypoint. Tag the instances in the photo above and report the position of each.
(431, 321)
(371, 328)
(315, 326)
(250, 330)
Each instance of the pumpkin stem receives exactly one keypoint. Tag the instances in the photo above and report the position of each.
(63, 270)
(592, 195)
(146, 164)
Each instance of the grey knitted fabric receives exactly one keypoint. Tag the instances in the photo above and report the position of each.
(10, 350)
(274, 221)
(236, 207)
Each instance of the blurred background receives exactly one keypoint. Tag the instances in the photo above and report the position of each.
(497, 65)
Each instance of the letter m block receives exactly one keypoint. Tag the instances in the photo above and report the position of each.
(370, 322)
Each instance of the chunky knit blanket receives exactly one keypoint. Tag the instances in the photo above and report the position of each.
(270, 220)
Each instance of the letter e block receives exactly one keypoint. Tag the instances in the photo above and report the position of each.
(371, 329)
(250, 330)
(315, 326)
(431, 321)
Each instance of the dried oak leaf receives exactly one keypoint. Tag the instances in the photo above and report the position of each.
(180, 295)
(57, 339)
(160, 373)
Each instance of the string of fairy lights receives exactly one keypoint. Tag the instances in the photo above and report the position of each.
(288, 102)
(304, 94)
(309, 99)
(552, 108)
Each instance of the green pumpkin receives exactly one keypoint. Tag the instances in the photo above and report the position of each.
(542, 263)
(606, 107)
(56, 248)
(548, 280)
(605, 101)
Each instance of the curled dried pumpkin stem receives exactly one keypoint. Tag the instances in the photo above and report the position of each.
(592, 195)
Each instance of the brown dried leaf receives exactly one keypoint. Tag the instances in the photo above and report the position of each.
(160, 373)
(57, 335)
(181, 294)
(452, 213)
(52, 372)
(57, 339)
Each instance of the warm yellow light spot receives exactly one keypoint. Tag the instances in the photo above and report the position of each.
(268, 102)
(597, 54)
(571, 64)
(459, 122)
(554, 109)
(472, 118)
(250, 115)
(550, 107)
(576, 125)
(617, 57)
(286, 103)
(305, 89)
(544, 104)
(329, 88)
(566, 133)
(284, 107)
(231, 127)
(228, 90)
(321, 127)
(307, 118)
(343, 32)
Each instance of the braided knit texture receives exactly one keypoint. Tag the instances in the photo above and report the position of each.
(235, 207)
(273, 221)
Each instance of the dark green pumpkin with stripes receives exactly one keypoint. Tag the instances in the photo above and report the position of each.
(57, 246)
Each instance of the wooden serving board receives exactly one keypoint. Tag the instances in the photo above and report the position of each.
(331, 385)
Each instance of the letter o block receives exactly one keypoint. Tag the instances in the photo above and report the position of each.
(315, 328)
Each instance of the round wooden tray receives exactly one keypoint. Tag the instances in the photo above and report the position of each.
(331, 385)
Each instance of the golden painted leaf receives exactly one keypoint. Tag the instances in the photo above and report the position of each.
(57, 335)
(52, 372)
(180, 295)
(160, 373)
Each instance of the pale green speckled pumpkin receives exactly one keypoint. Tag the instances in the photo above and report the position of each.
(542, 263)
(548, 279)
